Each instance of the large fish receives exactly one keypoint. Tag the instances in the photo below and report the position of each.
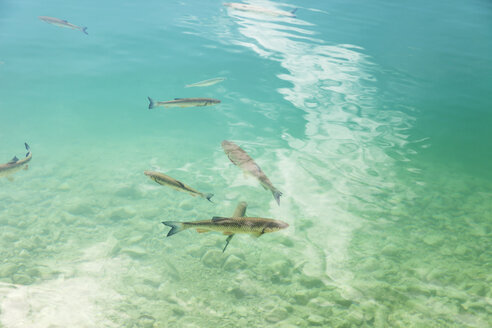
(261, 10)
(166, 180)
(15, 164)
(183, 102)
(62, 23)
(230, 225)
(240, 158)
(206, 83)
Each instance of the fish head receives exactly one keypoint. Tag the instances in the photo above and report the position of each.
(151, 175)
(212, 102)
(228, 146)
(276, 225)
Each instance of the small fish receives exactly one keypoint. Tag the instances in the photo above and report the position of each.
(240, 158)
(230, 226)
(62, 23)
(166, 180)
(183, 102)
(206, 83)
(15, 164)
(261, 10)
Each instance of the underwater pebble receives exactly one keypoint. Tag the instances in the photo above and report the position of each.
(311, 282)
(134, 252)
(285, 241)
(81, 209)
(233, 263)
(122, 214)
(212, 258)
(22, 279)
(135, 239)
(128, 192)
(178, 312)
(281, 267)
(145, 321)
(315, 320)
(7, 270)
(390, 250)
(276, 315)
(237, 292)
(64, 187)
(432, 240)
(186, 205)
(460, 250)
(144, 291)
(301, 297)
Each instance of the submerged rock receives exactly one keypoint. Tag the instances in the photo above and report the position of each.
(213, 258)
(145, 321)
(315, 320)
(22, 279)
(276, 315)
(301, 297)
(233, 263)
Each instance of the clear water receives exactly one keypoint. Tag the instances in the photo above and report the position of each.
(372, 117)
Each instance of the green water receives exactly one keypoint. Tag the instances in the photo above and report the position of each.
(372, 118)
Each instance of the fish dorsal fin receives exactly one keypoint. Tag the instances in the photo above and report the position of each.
(65, 21)
(14, 160)
(177, 98)
(219, 218)
(180, 184)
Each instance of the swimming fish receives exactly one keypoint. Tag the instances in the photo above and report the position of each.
(240, 158)
(15, 164)
(206, 83)
(261, 10)
(62, 23)
(184, 102)
(230, 225)
(166, 180)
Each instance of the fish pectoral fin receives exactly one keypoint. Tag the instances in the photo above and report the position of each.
(13, 160)
(10, 178)
(201, 230)
(228, 233)
(26, 167)
(258, 234)
(228, 239)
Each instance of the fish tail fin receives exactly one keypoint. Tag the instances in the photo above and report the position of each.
(28, 149)
(208, 196)
(175, 227)
(276, 194)
(151, 103)
(84, 29)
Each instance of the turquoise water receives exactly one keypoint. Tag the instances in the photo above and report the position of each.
(373, 118)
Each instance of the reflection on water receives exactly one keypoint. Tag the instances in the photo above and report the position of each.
(342, 161)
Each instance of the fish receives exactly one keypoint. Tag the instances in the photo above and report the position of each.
(15, 164)
(261, 10)
(206, 83)
(166, 180)
(230, 226)
(183, 102)
(240, 158)
(62, 23)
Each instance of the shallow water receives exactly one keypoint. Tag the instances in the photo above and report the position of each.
(373, 119)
